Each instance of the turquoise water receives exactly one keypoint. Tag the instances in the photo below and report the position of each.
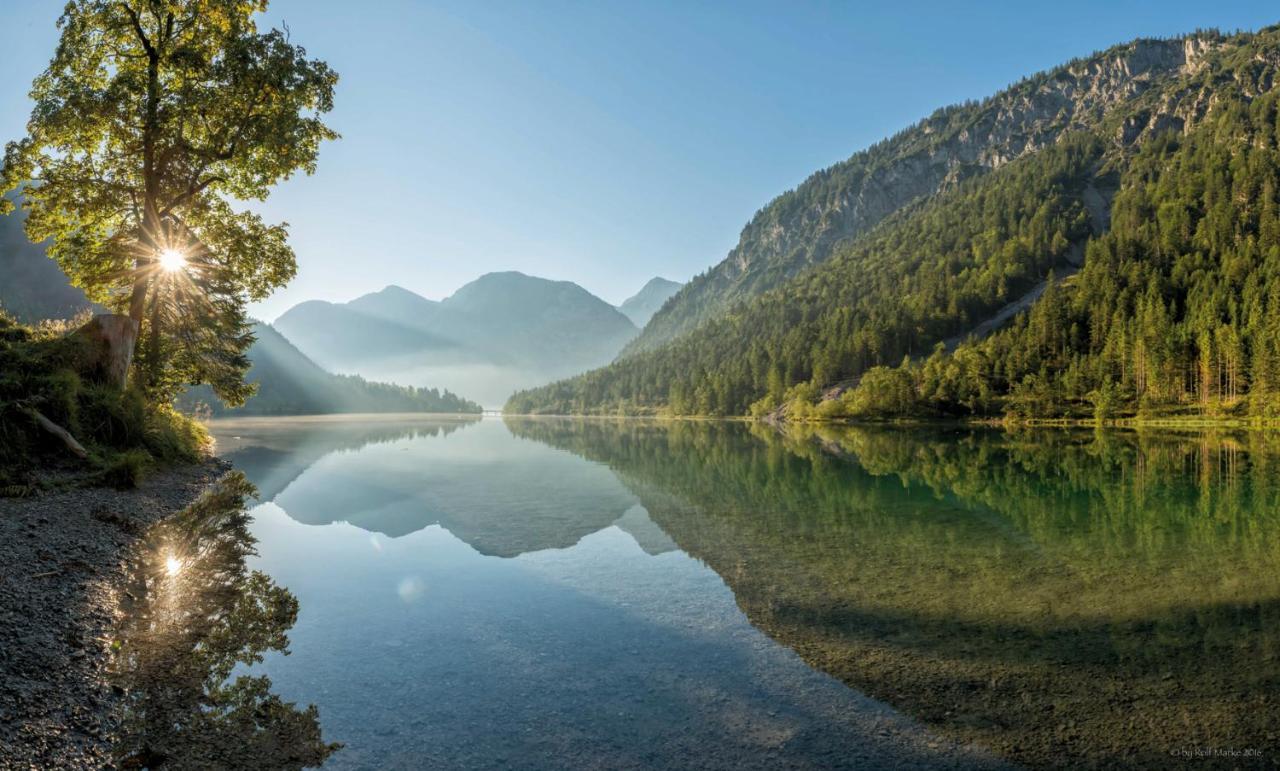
(471, 598)
(629, 594)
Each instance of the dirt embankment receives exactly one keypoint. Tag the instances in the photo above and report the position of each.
(62, 560)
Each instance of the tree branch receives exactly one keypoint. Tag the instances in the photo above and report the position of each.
(137, 28)
(190, 193)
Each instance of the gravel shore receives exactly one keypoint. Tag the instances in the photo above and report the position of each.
(62, 560)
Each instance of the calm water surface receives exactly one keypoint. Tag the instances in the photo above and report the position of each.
(558, 593)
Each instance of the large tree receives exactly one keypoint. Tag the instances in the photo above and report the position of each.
(151, 119)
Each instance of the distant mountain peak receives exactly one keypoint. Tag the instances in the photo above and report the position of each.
(641, 306)
(504, 330)
(395, 303)
(394, 289)
(512, 295)
(507, 279)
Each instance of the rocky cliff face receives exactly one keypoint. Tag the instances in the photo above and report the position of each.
(1151, 83)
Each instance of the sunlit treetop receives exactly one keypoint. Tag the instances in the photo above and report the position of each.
(152, 116)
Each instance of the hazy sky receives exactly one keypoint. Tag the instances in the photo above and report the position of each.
(605, 142)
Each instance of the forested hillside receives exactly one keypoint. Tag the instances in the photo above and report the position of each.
(291, 384)
(806, 225)
(32, 286)
(1175, 308)
(1178, 305)
(927, 273)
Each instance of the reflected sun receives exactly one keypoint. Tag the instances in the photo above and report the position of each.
(172, 566)
(172, 260)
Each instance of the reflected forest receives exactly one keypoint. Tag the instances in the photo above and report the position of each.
(1065, 597)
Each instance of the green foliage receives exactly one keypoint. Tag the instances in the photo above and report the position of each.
(124, 471)
(882, 392)
(1033, 397)
(150, 119)
(1105, 400)
(124, 433)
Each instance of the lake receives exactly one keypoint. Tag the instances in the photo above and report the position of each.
(547, 593)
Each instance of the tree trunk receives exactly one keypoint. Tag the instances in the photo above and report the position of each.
(113, 337)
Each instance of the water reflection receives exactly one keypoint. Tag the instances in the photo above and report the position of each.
(192, 613)
(274, 452)
(478, 600)
(1062, 598)
(392, 479)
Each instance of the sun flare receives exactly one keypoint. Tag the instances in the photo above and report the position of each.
(172, 260)
(172, 566)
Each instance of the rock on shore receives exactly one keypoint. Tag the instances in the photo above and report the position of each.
(62, 560)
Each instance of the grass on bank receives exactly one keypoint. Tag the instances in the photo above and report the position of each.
(42, 368)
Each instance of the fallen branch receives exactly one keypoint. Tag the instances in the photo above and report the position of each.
(58, 431)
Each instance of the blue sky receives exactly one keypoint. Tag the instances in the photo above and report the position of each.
(608, 142)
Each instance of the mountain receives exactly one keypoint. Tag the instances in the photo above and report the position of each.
(537, 322)
(807, 225)
(501, 332)
(641, 306)
(344, 338)
(397, 304)
(1103, 234)
(32, 286)
(291, 384)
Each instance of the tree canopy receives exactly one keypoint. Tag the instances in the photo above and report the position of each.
(151, 120)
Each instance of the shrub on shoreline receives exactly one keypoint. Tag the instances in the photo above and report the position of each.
(124, 435)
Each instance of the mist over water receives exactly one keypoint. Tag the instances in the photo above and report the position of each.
(488, 384)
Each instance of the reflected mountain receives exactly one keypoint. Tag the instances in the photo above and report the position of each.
(636, 522)
(272, 452)
(395, 478)
(193, 613)
(1065, 599)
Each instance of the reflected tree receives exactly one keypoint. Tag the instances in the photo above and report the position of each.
(192, 613)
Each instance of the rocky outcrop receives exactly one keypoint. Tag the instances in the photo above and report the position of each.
(1145, 87)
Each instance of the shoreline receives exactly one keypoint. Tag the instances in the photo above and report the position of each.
(62, 564)
(1189, 423)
